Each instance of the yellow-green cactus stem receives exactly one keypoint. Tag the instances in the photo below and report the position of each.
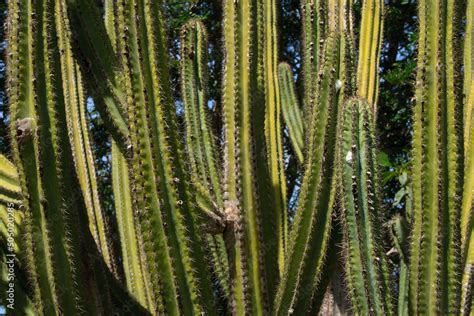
(435, 268)
(291, 110)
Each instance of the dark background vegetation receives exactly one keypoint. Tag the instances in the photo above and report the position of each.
(394, 106)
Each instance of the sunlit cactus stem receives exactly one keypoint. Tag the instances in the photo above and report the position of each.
(437, 149)
(370, 44)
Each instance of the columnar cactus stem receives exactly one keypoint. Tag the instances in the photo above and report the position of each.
(370, 42)
(400, 236)
(314, 32)
(44, 160)
(10, 190)
(242, 236)
(75, 105)
(200, 141)
(311, 229)
(291, 110)
(437, 146)
(160, 178)
(104, 82)
(134, 261)
(365, 263)
(200, 145)
(273, 138)
(467, 206)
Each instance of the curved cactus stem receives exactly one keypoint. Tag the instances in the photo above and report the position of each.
(200, 142)
(266, 22)
(291, 110)
(103, 76)
(400, 237)
(311, 229)
(370, 43)
(55, 228)
(77, 127)
(10, 190)
(437, 148)
(365, 265)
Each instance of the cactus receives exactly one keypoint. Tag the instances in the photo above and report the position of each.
(437, 148)
(314, 33)
(205, 235)
(313, 218)
(365, 264)
(468, 185)
(370, 42)
(10, 190)
(290, 109)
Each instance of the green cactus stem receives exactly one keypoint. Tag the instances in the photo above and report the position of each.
(365, 264)
(200, 142)
(104, 78)
(159, 176)
(437, 148)
(314, 13)
(467, 206)
(266, 15)
(370, 42)
(311, 229)
(77, 126)
(242, 236)
(291, 110)
(400, 236)
(10, 190)
(43, 159)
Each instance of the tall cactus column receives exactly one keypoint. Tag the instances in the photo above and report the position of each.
(41, 151)
(437, 149)
(310, 235)
(273, 130)
(370, 42)
(239, 199)
(366, 269)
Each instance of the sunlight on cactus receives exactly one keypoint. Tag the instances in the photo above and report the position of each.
(203, 220)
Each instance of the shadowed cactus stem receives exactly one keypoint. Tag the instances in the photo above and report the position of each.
(366, 268)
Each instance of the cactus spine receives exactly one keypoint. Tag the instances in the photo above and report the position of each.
(437, 146)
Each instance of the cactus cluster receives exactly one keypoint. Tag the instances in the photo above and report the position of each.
(203, 218)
